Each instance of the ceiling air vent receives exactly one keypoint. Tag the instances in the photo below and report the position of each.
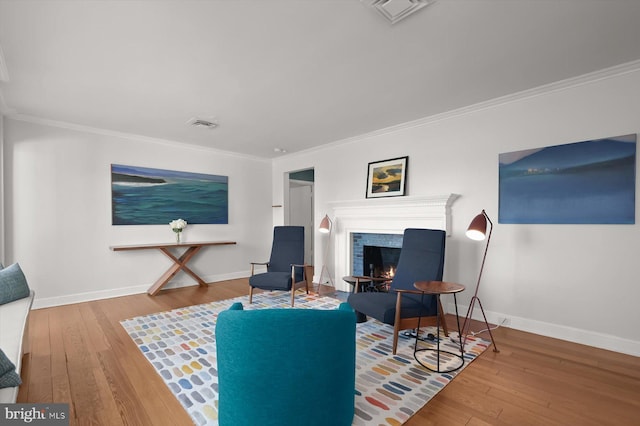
(395, 10)
(202, 123)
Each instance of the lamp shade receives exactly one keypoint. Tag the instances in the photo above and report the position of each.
(325, 225)
(478, 228)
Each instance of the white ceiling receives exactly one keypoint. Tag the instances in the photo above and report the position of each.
(292, 74)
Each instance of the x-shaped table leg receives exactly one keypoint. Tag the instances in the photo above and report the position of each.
(179, 263)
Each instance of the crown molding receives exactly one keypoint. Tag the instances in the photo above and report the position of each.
(606, 73)
(603, 74)
(123, 135)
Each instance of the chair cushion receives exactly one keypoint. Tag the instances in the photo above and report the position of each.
(382, 306)
(13, 284)
(271, 281)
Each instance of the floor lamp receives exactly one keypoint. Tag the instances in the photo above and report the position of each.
(478, 231)
(326, 226)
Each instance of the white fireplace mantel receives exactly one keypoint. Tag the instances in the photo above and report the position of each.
(386, 216)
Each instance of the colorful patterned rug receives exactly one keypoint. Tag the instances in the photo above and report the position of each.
(181, 346)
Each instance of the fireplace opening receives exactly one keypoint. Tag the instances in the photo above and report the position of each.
(380, 262)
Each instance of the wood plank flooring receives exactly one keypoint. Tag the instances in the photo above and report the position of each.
(82, 356)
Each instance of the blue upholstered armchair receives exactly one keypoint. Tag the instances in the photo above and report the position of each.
(286, 366)
(285, 269)
(421, 259)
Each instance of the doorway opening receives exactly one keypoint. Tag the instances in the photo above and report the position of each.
(300, 207)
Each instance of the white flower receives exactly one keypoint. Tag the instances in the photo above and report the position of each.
(178, 225)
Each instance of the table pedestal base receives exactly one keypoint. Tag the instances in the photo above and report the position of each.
(437, 349)
(179, 264)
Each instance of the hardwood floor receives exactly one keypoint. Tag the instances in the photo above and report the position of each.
(81, 355)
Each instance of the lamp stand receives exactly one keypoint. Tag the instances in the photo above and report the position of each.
(324, 264)
(475, 298)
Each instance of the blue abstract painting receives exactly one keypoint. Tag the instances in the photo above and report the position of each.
(590, 182)
(145, 196)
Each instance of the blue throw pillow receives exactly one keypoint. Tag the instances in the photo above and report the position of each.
(13, 284)
(9, 378)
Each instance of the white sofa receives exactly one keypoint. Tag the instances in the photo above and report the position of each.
(14, 339)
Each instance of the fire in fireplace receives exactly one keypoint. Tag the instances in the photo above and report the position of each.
(380, 262)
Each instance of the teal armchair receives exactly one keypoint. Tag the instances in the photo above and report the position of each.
(286, 366)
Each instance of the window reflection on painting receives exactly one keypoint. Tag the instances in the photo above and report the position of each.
(146, 196)
(590, 182)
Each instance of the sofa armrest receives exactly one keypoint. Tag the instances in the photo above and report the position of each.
(14, 340)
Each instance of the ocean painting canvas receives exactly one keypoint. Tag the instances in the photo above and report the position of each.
(590, 182)
(146, 196)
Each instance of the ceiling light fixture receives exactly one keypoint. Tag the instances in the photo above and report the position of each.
(280, 150)
(395, 10)
(203, 123)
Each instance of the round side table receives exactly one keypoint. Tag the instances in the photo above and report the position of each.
(438, 288)
(355, 281)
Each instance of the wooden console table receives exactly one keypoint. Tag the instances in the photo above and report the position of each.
(179, 263)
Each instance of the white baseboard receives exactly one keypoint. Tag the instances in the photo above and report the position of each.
(185, 281)
(571, 334)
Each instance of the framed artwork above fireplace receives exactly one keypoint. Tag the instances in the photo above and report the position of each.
(387, 178)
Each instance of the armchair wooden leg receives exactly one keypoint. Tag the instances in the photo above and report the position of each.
(293, 283)
(250, 287)
(305, 277)
(396, 332)
(396, 321)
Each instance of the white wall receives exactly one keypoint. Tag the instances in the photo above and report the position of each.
(58, 213)
(574, 282)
